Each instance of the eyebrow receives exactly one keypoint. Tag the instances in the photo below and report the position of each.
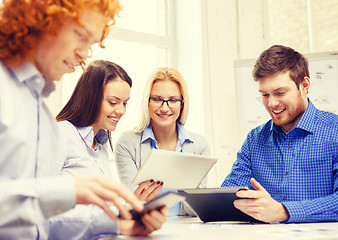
(158, 96)
(117, 98)
(89, 34)
(275, 90)
(83, 27)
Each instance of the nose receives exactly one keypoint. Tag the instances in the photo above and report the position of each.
(120, 110)
(273, 102)
(82, 53)
(164, 106)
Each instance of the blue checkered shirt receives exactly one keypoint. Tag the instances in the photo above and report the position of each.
(299, 169)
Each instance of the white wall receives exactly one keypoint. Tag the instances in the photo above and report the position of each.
(231, 30)
(210, 35)
(189, 59)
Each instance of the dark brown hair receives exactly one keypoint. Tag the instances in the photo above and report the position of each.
(84, 105)
(279, 58)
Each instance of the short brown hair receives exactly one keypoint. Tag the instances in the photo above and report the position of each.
(279, 58)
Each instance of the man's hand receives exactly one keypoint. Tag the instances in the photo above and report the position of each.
(260, 205)
(148, 190)
(150, 222)
(99, 189)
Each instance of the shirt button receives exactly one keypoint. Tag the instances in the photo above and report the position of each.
(284, 198)
(289, 146)
(286, 172)
(38, 80)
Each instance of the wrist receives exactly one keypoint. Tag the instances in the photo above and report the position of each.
(284, 215)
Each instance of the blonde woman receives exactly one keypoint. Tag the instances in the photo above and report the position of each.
(164, 112)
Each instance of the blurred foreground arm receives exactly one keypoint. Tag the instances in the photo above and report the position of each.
(30, 201)
(97, 189)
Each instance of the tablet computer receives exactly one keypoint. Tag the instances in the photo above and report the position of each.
(215, 204)
(175, 169)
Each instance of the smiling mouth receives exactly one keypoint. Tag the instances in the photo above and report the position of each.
(114, 120)
(164, 115)
(278, 112)
(71, 66)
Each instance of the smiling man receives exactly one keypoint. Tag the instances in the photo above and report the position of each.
(290, 162)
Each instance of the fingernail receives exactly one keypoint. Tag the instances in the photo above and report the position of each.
(162, 183)
(152, 180)
(158, 182)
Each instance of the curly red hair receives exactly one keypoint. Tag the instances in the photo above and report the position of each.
(22, 22)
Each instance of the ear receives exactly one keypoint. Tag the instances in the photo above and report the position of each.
(305, 84)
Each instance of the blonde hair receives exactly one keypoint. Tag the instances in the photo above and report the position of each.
(162, 74)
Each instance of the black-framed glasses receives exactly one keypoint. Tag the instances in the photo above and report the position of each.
(170, 102)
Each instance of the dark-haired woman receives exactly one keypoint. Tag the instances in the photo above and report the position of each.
(93, 111)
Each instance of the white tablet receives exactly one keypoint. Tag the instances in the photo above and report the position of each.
(176, 170)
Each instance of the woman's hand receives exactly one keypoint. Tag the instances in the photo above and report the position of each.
(148, 190)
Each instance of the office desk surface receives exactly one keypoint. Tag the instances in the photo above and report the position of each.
(177, 228)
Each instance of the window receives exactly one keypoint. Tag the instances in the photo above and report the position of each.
(141, 41)
(306, 25)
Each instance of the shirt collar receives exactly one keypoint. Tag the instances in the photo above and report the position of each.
(182, 134)
(305, 122)
(87, 134)
(27, 73)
